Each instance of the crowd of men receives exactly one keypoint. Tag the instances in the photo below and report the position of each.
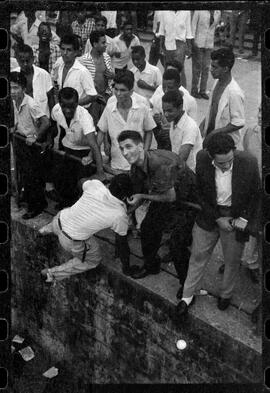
(99, 130)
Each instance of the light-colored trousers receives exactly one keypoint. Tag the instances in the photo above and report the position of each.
(77, 248)
(203, 245)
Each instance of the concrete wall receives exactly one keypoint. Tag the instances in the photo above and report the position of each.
(111, 329)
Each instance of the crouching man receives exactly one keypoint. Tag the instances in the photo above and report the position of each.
(98, 208)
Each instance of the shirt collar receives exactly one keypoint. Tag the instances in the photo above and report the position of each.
(181, 122)
(134, 105)
(122, 39)
(147, 69)
(218, 169)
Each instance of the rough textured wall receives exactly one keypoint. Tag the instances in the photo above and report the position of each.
(109, 329)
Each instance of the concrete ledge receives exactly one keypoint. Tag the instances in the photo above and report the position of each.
(114, 316)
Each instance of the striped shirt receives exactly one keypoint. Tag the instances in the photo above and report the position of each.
(88, 62)
(83, 30)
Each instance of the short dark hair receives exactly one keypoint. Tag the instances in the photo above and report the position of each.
(68, 93)
(23, 48)
(172, 75)
(70, 39)
(173, 97)
(126, 77)
(220, 143)
(121, 186)
(139, 50)
(101, 18)
(128, 134)
(175, 64)
(224, 56)
(95, 36)
(47, 24)
(18, 78)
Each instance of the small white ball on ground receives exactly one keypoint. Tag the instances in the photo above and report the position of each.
(181, 344)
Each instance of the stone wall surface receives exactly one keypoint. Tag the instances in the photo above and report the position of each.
(109, 328)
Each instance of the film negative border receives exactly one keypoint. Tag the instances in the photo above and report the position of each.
(5, 156)
(5, 296)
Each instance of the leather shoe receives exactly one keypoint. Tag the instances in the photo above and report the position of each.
(223, 303)
(221, 269)
(145, 271)
(204, 96)
(182, 307)
(196, 95)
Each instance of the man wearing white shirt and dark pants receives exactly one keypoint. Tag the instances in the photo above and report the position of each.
(79, 140)
(147, 77)
(175, 36)
(185, 135)
(203, 30)
(225, 111)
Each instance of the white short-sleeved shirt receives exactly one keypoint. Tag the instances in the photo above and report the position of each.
(77, 77)
(186, 132)
(151, 75)
(125, 59)
(42, 84)
(230, 109)
(189, 102)
(25, 117)
(175, 26)
(81, 125)
(139, 119)
(97, 209)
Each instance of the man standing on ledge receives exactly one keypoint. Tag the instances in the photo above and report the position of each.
(226, 105)
(156, 177)
(228, 187)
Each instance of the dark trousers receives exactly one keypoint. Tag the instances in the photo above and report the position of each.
(30, 166)
(152, 228)
(181, 240)
(154, 55)
(178, 54)
(68, 172)
(201, 58)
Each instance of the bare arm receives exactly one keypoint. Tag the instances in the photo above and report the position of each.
(96, 152)
(184, 151)
(147, 139)
(167, 196)
(87, 100)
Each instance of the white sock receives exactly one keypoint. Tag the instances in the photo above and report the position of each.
(187, 300)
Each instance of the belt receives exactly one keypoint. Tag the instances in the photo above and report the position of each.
(70, 238)
(64, 233)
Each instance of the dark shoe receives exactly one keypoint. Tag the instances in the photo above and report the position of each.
(221, 269)
(223, 303)
(182, 307)
(196, 95)
(130, 270)
(254, 275)
(52, 194)
(179, 293)
(145, 271)
(204, 96)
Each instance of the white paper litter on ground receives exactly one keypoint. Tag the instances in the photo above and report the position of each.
(27, 353)
(51, 373)
(18, 339)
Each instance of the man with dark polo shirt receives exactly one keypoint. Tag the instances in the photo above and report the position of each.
(155, 177)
